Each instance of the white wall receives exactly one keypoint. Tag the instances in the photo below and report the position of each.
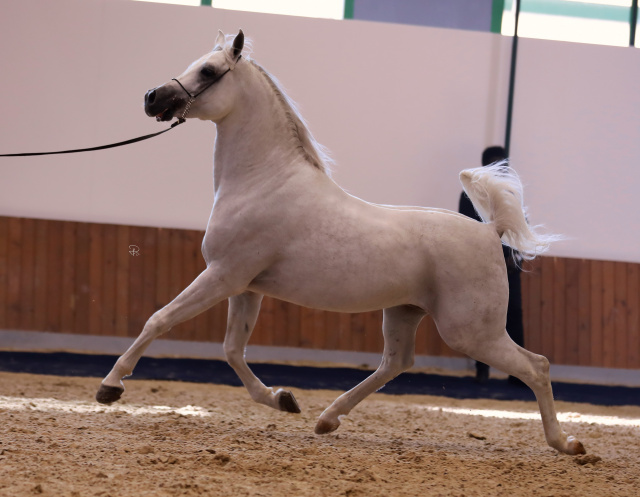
(402, 108)
(577, 139)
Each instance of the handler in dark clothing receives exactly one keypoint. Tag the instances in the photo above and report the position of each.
(514, 310)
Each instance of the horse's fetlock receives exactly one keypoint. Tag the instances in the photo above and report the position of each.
(266, 396)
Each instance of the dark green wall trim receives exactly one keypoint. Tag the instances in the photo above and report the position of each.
(496, 16)
(206, 3)
(348, 8)
(634, 23)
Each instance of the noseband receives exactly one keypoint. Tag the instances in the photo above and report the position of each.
(192, 98)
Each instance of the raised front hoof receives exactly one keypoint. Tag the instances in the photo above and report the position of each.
(287, 402)
(574, 447)
(323, 426)
(108, 395)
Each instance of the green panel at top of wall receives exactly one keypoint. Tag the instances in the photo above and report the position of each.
(206, 3)
(348, 9)
(573, 9)
(496, 16)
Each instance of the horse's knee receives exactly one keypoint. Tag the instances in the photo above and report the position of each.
(157, 324)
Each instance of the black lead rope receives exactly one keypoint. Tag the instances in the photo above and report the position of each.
(101, 147)
(180, 120)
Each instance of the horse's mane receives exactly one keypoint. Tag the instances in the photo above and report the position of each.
(312, 151)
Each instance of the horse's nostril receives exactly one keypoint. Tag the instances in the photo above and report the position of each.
(151, 96)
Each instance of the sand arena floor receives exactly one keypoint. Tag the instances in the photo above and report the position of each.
(171, 438)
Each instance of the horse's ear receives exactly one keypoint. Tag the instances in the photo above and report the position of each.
(220, 40)
(238, 43)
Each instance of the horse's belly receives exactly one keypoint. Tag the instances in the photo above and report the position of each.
(342, 287)
(330, 301)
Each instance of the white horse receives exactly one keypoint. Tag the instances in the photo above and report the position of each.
(281, 227)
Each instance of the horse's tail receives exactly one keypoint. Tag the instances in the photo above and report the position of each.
(496, 194)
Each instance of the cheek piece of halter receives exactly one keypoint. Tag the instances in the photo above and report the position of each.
(192, 97)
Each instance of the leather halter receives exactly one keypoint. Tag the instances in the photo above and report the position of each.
(192, 98)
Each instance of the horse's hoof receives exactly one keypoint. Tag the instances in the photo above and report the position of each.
(323, 426)
(575, 447)
(287, 402)
(107, 394)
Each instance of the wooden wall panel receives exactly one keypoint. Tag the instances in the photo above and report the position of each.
(53, 305)
(633, 315)
(608, 314)
(332, 331)
(40, 276)
(14, 267)
(597, 292)
(135, 301)
(82, 283)
(107, 305)
(584, 314)
(68, 277)
(85, 278)
(122, 280)
(570, 334)
(27, 247)
(620, 324)
(97, 272)
(4, 267)
(559, 312)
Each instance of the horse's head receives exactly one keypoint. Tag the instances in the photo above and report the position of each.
(209, 77)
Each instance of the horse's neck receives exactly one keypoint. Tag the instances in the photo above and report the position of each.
(254, 144)
(246, 155)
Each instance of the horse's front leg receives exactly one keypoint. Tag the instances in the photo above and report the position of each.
(243, 313)
(209, 288)
(399, 330)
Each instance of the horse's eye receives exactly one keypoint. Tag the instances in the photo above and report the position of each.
(207, 72)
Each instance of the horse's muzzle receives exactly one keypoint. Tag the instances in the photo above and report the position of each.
(162, 103)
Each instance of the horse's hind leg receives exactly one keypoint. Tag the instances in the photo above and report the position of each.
(504, 354)
(243, 313)
(399, 331)
(204, 292)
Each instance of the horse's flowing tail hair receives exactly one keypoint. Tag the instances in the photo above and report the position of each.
(496, 194)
